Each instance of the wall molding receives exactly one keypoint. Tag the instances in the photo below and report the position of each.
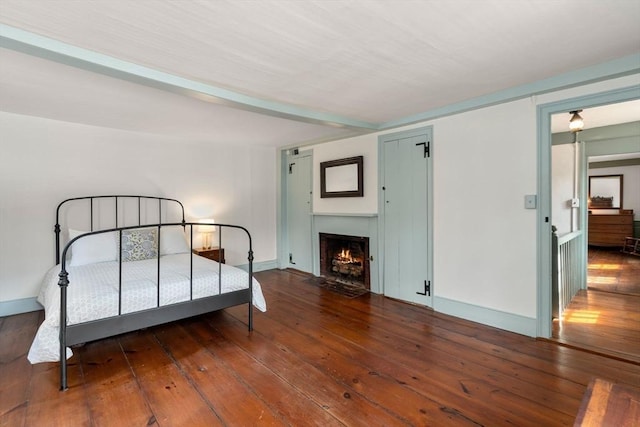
(614, 163)
(19, 306)
(64, 53)
(265, 265)
(487, 316)
(629, 130)
(620, 67)
(260, 266)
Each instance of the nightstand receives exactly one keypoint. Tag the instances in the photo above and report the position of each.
(216, 254)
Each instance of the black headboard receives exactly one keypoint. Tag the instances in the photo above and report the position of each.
(116, 198)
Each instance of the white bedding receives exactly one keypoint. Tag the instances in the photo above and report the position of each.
(93, 293)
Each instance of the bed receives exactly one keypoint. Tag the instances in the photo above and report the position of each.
(109, 281)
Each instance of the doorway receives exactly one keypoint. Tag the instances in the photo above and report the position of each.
(600, 316)
(406, 211)
(604, 317)
(545, 111)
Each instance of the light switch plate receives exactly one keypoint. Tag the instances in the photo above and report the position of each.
(530, 201)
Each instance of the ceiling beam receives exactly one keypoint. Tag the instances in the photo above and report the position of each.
(54, 50)
(47, 48)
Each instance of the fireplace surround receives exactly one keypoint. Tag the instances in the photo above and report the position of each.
(345, 259)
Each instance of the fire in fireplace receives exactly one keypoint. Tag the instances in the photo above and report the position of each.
(345, 259)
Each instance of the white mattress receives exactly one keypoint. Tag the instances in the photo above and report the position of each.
(93, 293)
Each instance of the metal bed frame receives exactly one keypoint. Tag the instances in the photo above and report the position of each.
(122, 323)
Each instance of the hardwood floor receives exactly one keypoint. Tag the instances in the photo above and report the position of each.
(605, 318)
(602, 322)
(314, 358)
(610, 270)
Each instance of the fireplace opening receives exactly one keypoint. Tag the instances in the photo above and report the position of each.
(345, 259)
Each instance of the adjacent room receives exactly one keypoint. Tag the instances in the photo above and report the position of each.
(597, 294)
(277, 212)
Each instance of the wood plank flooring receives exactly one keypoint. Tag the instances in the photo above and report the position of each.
(605, 318)
(314, 358)
(606, 404)
(610, 270)
(602, 322)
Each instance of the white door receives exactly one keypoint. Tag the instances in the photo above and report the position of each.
(406, 217)
(299, 212)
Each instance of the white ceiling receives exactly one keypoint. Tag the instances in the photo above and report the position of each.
(594, 117)
(37, 87)
(361, 60)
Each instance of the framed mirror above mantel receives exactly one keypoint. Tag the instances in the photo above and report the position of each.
(342, 178)
(605, 192)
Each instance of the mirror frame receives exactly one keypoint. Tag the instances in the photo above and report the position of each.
(334, 182)
(617, 196)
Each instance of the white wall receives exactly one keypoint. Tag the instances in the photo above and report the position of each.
(562, 184)
(357, 146)
(45, 161)
(484, 239)
(485, 162)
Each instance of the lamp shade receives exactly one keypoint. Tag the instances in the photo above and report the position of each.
(206, 226)
(576, 123)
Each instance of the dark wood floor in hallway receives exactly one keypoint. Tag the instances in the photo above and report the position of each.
(610, 270)
(314, 358)
(605, 318)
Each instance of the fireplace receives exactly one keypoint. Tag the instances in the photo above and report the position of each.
(345, 259)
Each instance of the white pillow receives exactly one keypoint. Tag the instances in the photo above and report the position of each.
(91, 249)
(173, 240)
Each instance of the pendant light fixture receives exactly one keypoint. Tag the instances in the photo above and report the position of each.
(576, 123)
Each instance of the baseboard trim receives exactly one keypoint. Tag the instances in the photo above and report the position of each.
(260, 266)
(487, 316)
(26, 305)
(265, 265)
(19, 306)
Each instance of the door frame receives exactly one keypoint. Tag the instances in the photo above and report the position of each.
(544, 322)
(381, 140)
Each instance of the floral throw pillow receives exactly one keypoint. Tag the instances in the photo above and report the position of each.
(139, 244)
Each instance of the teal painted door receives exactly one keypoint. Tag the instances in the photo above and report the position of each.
(299, 213)
(406, 220)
